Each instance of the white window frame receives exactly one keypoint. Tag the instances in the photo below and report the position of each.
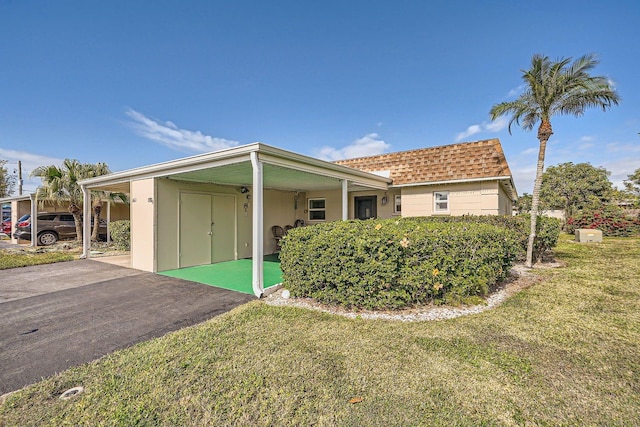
(397, 204)
(437, 203)
(323, 210)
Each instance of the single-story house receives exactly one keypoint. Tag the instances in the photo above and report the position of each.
(221, 205)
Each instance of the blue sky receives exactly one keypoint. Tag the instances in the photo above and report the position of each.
(132, 83)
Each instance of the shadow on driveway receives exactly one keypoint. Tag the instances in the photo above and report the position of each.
(61, 315)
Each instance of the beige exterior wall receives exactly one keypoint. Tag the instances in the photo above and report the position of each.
(333, 200)
(479, 198)
(505, 206)
(279, 209)
(143, 238)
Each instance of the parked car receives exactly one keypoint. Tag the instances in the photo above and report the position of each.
(5, 227)
(53, 227)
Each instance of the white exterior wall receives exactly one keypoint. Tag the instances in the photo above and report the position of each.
(143, 236)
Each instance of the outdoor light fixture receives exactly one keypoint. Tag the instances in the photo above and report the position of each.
(384, 199)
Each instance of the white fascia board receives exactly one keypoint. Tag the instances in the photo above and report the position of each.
(17, 198)
(320, 167)
(187, 164)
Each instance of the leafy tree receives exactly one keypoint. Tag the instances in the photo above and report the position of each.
(7, 181)
(571, 187)
(97, 197)
(632, 184)
(551, 88)
(60, 184)
(524, 203)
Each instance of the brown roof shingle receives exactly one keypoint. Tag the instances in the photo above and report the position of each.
(468, 160)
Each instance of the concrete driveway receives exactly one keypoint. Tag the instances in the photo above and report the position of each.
(56, 316)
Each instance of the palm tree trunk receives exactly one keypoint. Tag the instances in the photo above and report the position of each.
(75, 210)
(544, 133)
(97, 209)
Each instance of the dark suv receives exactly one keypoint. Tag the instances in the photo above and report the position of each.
(52, 227)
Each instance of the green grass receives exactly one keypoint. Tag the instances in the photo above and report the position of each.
(15, 259)
(562, 352)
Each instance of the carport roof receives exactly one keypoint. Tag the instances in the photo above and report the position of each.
(283, 169)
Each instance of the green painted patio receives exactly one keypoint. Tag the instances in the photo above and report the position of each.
(233, 275)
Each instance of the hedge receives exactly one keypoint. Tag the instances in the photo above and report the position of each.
(391, 264)
(121, 233)
(547, 229)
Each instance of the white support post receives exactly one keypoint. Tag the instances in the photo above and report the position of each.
(34, 220)
(108, 221)
(86, 222)
(257, 249)
(345, 200)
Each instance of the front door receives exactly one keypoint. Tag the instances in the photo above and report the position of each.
(195, 229)
(223, 227)
(365, 207)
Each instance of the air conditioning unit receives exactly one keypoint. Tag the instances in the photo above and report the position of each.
(585, 235)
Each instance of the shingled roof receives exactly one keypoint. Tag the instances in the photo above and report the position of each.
(464, 161)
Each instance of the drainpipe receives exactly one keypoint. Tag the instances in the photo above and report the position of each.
(34, 220)
(86, 222)
(345, 200)
(257, 274)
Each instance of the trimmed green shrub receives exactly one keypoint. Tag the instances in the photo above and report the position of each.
(611, 219)
(547, 229)
(391, 264)
(121, 234)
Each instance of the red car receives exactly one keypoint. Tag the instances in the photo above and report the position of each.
(6, 228)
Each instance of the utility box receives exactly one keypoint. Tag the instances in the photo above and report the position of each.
(585, 235)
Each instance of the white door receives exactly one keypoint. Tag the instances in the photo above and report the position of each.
(223, 220)
(195, 229)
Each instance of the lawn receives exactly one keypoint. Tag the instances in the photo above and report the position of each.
(13, 259)
(562, 352)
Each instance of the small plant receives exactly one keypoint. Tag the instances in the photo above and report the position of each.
(121, 234)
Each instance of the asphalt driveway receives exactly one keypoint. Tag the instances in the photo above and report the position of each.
(56, 316)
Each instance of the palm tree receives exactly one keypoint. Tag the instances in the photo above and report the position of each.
(60, 185)
(97, 197)
(551, 88)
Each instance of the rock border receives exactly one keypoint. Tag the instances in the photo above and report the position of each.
(520, 277)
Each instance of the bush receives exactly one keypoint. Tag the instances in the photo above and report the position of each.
(611, 219)
(121, 234)
(391, 264)
(547, 229)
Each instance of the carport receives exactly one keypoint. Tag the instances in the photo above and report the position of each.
(183, 208)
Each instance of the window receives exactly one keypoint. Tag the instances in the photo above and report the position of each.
(317, 210)
(441, 201)
(397, 204)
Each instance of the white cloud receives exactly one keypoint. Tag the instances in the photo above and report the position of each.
(530, 151)
(368, 145)
(30, 161)
(172, 136)
(587, 138)
(620, 169)
(494, 126)
(515, 91)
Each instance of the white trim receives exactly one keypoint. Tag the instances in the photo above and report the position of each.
(34, 220)
(257, 251)
(436, 201)
(395, 205)
(453, 181)
(309, 209)
(345, 200)
(86, 224)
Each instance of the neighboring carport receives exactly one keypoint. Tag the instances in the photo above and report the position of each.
(255, 165)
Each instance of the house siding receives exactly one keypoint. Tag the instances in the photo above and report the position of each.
(143, 233)
(475, 198)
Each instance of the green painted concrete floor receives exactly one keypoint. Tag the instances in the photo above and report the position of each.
(233, 275)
